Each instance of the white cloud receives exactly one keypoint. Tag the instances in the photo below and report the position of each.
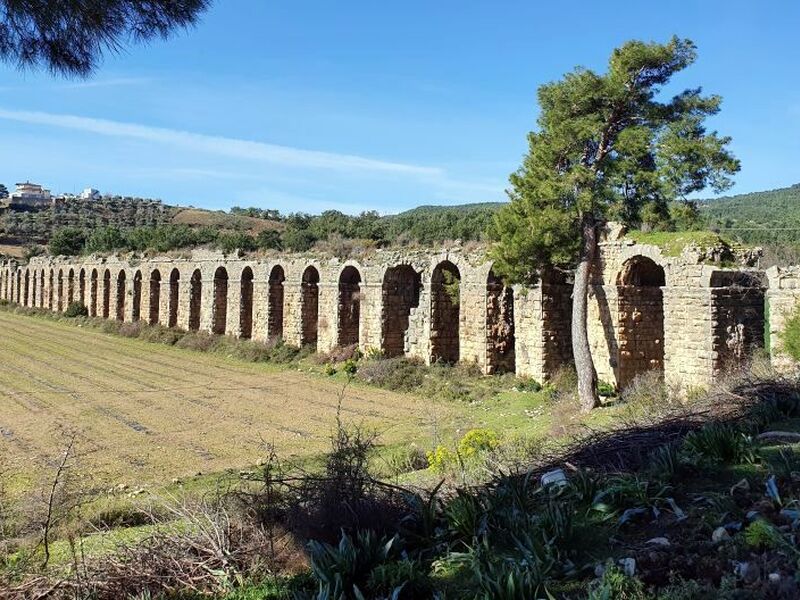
(222, 146)
(113, 82)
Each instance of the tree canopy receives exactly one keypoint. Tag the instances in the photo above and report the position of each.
(69, 37)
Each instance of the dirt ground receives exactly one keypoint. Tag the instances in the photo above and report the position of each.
(148, 413)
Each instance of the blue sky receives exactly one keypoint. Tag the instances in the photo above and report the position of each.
(306, 106)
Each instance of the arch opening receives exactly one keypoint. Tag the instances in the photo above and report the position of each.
(93, 293)
(500, 332)
(40, 301)
(121, 292)
(26, 289)
(275, 304)
(220, 307)
(246, 304)
(309, 309)
(349, 308)
(136, 308)
(640, 305)
(195, 296)
(400, 290)
(82, 286)
(60, 290)
(445, 313)
(50, 285)
(155, 297)
(106, 294)
(174, 286)
(70, 287)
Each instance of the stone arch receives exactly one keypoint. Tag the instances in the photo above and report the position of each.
(275, 303)
(93, 293)
(82, 285)
(349, 307)
(309, 307)
(246, 304)
(121, 293)
(60, 290)
(445, 313)
(640, 326)
(195, 299)
(136, 309)
(155, 297)
(174, 288)
(70, 287)
(400, 291)
(106, 294)
(500, 330)
(219, 319)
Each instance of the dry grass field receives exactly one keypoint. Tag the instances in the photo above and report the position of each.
(147, 413)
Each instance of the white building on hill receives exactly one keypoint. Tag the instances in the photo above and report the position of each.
(30, 194)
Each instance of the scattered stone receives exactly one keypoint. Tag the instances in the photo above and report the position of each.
(720, 534)
(599, 570)
(779, 437)
(659, 541)
(774, 577)
(752, 515)
(628, 566)
(554, 477)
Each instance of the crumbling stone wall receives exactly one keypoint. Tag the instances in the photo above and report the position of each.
(783, 299)
(691, 326)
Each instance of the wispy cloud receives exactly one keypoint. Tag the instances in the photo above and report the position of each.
(100, 83)
(222, 146)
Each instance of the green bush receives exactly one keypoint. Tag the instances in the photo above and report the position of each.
(76, 309)
(790, 336)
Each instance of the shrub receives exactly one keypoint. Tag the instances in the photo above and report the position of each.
(790, 336)
(76, 309)
(762, 535)
(396, 374)
(616, 585)
(719, 443)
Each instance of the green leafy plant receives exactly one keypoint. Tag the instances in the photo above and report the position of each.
(720, 443)
(76, 309)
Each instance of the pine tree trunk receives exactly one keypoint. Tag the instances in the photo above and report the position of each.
(584, 365)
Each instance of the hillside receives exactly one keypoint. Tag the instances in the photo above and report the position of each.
(770, 217)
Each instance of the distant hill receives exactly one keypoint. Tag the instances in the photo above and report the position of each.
(771, 217)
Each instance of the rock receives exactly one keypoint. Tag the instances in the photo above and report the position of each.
(774, 577)
(747, 571)
(554, 477)
(659, 541)
(720, 535)
(599, 570)
(779, 437)
(628, 566)
(752, 515)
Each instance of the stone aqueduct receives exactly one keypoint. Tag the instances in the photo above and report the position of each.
(690, 321)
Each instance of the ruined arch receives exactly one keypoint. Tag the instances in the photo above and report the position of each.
(220, 306)
(400, 290)
(18, 295)
(349, 307)
(26, 289)
(155, 297)
(275, 303)
(500, 331)
(640, 327)
(195, 299)
(93, 293)
(82, 286)
(121, 293)
(246, 304)
(445, 313)
(60, 290)
(174, 287)
(106, 293)
(309, 307)
(136, 308)
(70, 287)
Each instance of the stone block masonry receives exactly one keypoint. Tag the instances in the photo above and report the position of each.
(687, 321)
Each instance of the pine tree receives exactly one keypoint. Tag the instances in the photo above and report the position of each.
(606, 148)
